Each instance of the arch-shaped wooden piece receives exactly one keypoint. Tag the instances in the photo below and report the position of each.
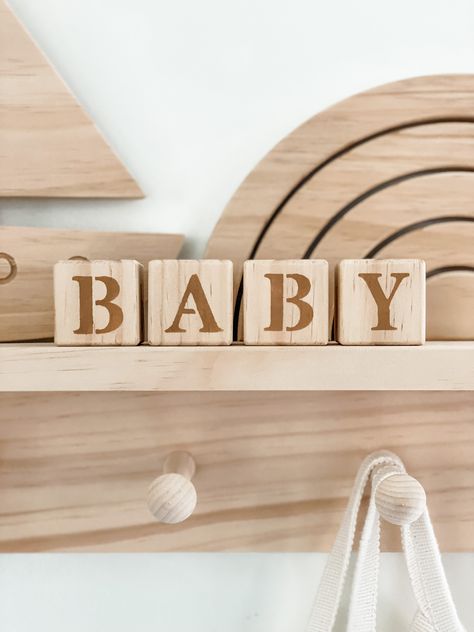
(49, 147)
(384, 165)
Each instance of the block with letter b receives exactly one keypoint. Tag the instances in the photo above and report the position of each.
(286, 302)
(190, 302)
(97, 302)
(381, 302)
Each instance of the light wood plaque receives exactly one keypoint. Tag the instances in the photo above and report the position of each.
(388, 173)
(49, 146)
(27, 258)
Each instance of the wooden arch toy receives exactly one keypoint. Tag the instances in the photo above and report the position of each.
(386, 173)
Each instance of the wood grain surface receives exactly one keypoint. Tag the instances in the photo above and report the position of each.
(286, 302)
(381, 302)
(49, 146)
(26, 295)
(190, 303)
(98, 303)
(393, 162)
(274, 470)
(45, 367)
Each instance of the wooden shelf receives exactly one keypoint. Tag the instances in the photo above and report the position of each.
(439, 366)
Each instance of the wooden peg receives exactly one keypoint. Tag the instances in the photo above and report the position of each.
(286, 302)
(381, 302)
(190, 302)
(97, 302)
(172, 497)
(400, 499)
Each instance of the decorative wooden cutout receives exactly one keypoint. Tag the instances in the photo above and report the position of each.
(286, 302)
(383, 167)
(97, 303)
(190, 302)
(27, 257)
(381, 302)
(49, 147)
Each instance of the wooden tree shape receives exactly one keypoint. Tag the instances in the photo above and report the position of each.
(49, 147)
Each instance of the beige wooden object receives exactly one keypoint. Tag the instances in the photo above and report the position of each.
(286, 302)
(190, 302)
(400, 499)
(49, 146)
(172, 497)
(443, 292)
(27, 258)
(98, 303)
(431, 367)
(389, 163)
(381, 302)
(274, 468)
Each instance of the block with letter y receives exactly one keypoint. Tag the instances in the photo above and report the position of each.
(381, 302)
(97, 302)
(190, 302)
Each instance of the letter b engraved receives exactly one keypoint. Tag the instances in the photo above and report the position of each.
(383, 302)
(277, 301)
(86, 304)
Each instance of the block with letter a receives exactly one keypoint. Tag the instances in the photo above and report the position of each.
(381, 302)
(286, 302)
(190, 302)
(97, 302)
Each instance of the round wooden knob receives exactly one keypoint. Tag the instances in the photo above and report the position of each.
(400, 499)
(172, 497)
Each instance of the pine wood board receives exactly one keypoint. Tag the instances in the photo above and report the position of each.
(26, 298)
(273, 469)
(49, 146)
(391, 159)
(45, 367)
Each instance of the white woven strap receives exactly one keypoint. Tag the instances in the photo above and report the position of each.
(436, 608)
(328, 597)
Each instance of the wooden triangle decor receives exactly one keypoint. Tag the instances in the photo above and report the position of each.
(49, 147)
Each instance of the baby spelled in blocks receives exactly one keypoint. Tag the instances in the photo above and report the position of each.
(378, 302)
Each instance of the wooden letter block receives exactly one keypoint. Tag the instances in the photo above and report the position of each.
(190, 302)
(381, 302)
(97, 302)
(286, 302)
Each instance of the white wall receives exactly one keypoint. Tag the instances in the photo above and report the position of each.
(192, 94)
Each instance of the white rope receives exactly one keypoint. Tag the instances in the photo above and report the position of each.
(436, 612)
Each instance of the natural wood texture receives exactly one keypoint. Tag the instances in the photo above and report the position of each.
(98, 303)
(172, 497)
(274, 469)
(396, 158)
(190, 302)
(442, 293)
(26, 297)
(44, 367)
(49, 147)
(286, 302)
(400, 499)
(381, 302)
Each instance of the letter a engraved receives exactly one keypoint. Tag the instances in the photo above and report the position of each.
(277, 300)
(86, 304)
(383, 302)
(195, 289)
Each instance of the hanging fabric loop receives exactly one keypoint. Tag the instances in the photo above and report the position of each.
(436, 610)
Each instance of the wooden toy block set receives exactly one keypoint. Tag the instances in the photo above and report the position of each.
(102, 303)
(330, 318)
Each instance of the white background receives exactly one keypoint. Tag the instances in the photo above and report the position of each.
(191, 95)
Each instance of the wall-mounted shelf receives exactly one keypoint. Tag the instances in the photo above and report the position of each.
(440, 366)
